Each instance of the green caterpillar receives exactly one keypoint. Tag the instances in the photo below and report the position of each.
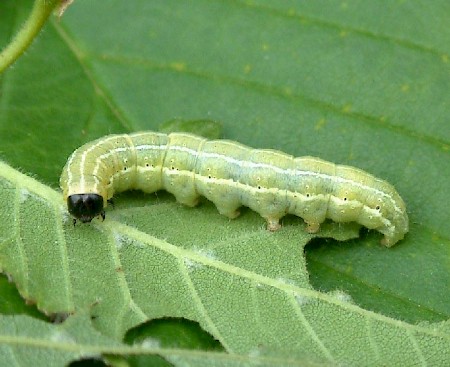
(230, 174)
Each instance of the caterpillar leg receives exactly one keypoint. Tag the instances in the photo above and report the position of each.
(188, 201)
(228, 211)
(273, 224)
(387, 241)
(312, 227)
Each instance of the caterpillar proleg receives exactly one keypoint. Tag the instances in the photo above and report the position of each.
(230, 175)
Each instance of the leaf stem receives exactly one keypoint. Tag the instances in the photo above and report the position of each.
(36, 20)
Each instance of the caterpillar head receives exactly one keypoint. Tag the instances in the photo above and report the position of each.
(85, 206)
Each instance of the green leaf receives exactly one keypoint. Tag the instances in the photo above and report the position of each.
(358, 83)
(25, 341)
(11, 303)
(206, 128)
(244, 285)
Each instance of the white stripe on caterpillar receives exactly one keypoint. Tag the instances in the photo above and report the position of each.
(230, 174)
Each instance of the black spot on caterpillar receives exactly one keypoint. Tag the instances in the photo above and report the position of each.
(230, 175)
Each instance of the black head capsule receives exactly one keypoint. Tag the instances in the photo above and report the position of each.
(85, 206)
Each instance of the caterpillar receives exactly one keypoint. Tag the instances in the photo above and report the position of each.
(230, 175)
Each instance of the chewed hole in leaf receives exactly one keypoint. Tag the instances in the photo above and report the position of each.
(88, 362)
(172, 333)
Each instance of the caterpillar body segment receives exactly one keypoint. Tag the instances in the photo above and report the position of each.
(230, 175)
